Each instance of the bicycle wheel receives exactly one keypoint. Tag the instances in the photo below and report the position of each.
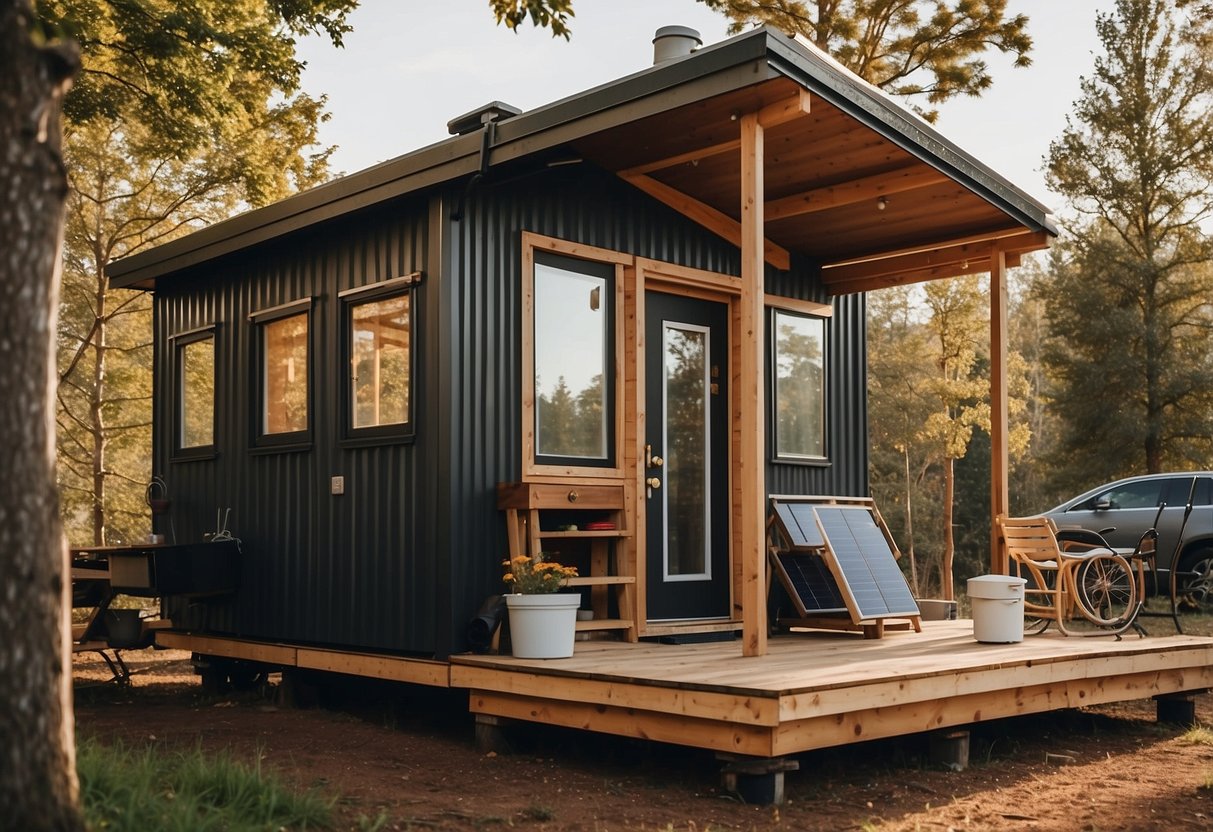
(1107, 593)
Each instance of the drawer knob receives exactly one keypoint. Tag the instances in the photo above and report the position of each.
(573, 496)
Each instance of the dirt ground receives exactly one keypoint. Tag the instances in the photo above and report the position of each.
(406, 756)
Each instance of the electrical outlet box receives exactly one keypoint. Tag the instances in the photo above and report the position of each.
(337, 485)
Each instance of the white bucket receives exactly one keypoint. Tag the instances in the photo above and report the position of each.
(997, 608)
(543, 626)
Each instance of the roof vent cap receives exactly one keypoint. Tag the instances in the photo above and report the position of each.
(672, 42)
(473, 121)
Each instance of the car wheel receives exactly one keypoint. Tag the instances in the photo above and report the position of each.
(1196, 580)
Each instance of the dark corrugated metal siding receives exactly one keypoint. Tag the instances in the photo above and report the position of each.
(317, 568)
(402, 560)
(587, 206)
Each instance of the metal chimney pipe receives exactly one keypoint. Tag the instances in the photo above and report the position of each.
(672, 42)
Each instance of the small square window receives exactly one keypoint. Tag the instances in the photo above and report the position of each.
(798, 364)
(195, 394)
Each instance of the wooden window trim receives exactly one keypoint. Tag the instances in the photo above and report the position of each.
(531, 470)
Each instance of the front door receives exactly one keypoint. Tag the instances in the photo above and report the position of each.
(686, 405)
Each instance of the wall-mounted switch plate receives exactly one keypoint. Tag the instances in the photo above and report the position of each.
(337, 485)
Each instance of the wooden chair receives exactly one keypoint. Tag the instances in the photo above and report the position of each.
(1069, 586)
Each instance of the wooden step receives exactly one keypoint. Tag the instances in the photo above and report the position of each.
(600, 580)
(603, 624)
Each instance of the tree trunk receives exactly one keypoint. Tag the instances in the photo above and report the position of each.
(910, 527)
(38, 788)
(96, 411)
(947, 589)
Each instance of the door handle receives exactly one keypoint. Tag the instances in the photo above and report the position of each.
(650, 460)
(651, 485)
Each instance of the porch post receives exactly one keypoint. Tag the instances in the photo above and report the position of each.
(751, 467)
(999, 461)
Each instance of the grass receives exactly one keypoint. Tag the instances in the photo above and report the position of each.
(1197, 735)
(187, 791)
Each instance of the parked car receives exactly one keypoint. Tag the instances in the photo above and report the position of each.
(1122, 511)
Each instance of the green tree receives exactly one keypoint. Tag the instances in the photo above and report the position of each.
(183, 114)
(927, 50)
(1128, 305)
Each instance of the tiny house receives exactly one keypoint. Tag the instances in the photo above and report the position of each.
(613, 325)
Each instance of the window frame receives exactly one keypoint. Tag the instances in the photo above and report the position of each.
(263, 442)
(179, 341)
(806, 312)
(403, 286)
(535, 466)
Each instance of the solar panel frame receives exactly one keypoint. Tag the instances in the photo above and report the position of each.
(862, 563)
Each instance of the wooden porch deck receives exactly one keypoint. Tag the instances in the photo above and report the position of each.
(819, 689)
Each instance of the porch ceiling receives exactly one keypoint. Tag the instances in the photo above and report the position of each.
(838, 191)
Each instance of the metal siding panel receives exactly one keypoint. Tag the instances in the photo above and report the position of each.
(342, 570)
(846, 474)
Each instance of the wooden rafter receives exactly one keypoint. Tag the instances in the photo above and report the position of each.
(934, 258)
(707, 216)
(977, 265)
(857, 190)
(781, 111)
(992, 234)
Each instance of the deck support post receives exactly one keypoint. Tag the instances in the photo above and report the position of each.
(750, 468)
(949, 749)
(1176, 708)
(999, 411)
(757, 780)
(491, 735)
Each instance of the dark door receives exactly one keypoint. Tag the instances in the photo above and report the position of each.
(686, 405)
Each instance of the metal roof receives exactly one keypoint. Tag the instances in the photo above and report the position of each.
(658, 119)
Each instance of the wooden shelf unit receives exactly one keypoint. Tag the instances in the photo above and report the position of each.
(539, 511)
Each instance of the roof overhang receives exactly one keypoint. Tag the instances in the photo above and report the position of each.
(853, 181)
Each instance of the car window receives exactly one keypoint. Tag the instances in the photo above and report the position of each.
(1143, 494)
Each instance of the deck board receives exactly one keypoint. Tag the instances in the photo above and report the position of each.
(816, 689)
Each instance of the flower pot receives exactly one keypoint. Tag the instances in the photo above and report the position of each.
(543, 626)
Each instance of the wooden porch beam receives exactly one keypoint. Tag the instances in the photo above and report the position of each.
(934, 258)
(857, 190)
(868, 284)
(750, 468)
(682, 158)
(711, 219)
(788, 109)
(992, 234)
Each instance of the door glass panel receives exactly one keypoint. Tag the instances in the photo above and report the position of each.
(571, 328)
(687, 455)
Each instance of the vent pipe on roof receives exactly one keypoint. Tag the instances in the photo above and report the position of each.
(672, 42)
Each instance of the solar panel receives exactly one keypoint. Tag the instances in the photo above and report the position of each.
(866, 568)
(800, 524)
(809, 581)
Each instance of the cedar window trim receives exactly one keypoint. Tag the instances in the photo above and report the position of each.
(396, 434)
(535, 467)
(180, 340)
(801, 309)
(299, 440)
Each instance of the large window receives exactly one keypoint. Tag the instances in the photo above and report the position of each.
(798, 361)
(379, 343)
(573, 326)
(284, 369)
(195, 393)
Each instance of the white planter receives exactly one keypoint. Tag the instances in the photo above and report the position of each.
(543, 626)
(997, 608)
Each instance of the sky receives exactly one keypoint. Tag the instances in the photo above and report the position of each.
(409, 66)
